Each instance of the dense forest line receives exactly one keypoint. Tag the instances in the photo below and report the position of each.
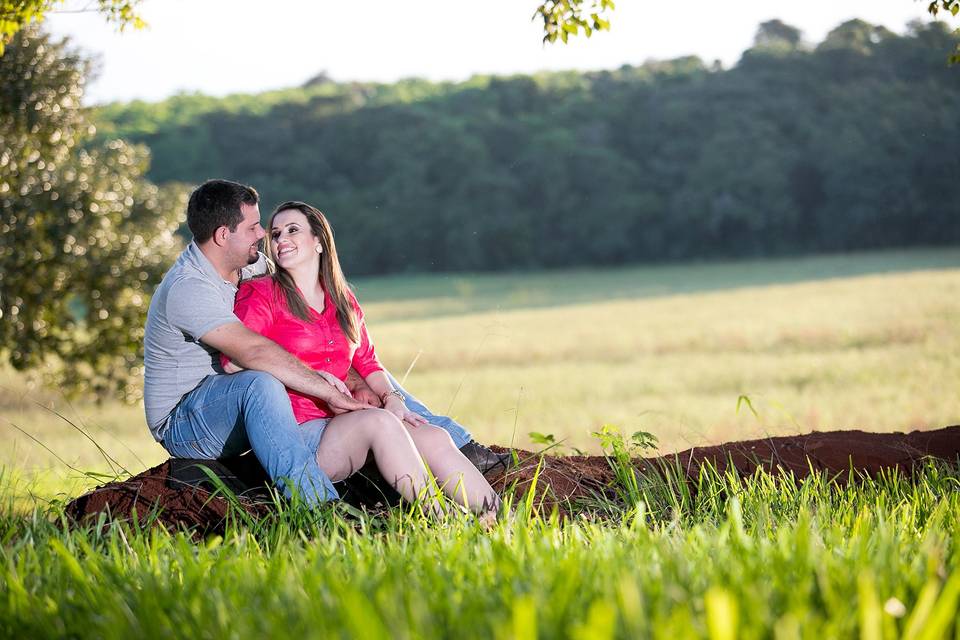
(851, 143)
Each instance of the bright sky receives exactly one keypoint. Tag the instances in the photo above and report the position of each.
(227, 46)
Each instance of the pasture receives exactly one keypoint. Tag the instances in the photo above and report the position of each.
(856, 341)
(864, 341)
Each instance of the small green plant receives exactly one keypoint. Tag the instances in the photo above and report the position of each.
(620, 453)
(613, 442)
(550, 443)
(546, 439)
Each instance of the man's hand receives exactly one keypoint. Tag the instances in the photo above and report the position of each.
(340, 403)
(335, 382)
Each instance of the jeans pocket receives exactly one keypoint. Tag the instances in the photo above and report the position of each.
(197, 448)
(201, 448)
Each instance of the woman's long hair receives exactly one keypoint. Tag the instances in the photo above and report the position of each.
(331, 275)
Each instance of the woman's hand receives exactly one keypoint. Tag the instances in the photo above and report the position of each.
(397, 407)
(366, 395)
(361, 390)
(229, 367)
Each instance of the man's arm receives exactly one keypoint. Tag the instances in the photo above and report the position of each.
(250, 350)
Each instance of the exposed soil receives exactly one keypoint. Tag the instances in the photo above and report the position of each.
(178, 494)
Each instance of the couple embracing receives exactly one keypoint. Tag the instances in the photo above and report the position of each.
(236, 358)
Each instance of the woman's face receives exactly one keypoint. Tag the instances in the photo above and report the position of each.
(293, 241)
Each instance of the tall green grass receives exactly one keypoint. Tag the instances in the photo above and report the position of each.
(667, 350)
(725, 557)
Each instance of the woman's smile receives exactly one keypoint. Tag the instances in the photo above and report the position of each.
(285, 250)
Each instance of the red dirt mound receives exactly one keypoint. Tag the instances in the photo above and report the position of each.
(177, 493)
(563, 479)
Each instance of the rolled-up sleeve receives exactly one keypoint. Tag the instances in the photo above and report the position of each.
(365, 359)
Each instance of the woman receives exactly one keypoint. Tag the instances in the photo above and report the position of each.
(307, 307)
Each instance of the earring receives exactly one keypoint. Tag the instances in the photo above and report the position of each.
(319, 249)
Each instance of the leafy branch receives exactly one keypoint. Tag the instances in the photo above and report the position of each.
(17, 14)
(953, 8)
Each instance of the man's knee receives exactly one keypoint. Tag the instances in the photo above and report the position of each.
(262, 383)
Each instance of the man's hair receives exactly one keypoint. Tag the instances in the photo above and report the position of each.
(215, 204)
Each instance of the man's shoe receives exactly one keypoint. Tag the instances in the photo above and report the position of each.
(485, 459)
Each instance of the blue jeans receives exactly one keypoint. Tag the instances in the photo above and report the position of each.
(228, 415)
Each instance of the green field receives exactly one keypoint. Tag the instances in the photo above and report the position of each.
(859, 341)
(865, 341)
(758, 558)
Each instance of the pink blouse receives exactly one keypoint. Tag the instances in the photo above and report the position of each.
(320, 343)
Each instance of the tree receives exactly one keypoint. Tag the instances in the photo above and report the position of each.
(83, 236)
(564, 18)
(561, 18)
(17, 14)
(775, 34)
(953, 8)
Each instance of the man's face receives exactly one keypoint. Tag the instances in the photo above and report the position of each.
(243, 244)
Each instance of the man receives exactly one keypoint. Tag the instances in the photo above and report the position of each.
(193, 408)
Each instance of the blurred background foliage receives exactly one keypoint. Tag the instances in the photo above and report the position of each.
(84, 237)
(800, 148)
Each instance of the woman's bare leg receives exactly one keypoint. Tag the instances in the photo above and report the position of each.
(456, 475)
(347, 439)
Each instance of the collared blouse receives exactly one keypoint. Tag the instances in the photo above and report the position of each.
(319, 343)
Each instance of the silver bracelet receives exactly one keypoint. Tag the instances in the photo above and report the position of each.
(392, 392)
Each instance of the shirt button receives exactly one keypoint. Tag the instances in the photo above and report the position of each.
(331, 342)
(328, 359)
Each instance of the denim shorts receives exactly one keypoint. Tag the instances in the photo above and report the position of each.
(312, 431)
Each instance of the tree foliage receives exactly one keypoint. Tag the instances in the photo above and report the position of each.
(845, 144)
(17, 14)
(561, 19)
(83, 236)
(565, 18)
(953, 8)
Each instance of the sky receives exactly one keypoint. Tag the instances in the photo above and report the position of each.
(220, 47)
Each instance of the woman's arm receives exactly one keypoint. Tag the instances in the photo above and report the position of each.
(366, 363)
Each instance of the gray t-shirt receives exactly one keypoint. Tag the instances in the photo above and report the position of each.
(191, 300)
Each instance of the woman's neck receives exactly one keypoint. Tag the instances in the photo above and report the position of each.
(307, 280)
